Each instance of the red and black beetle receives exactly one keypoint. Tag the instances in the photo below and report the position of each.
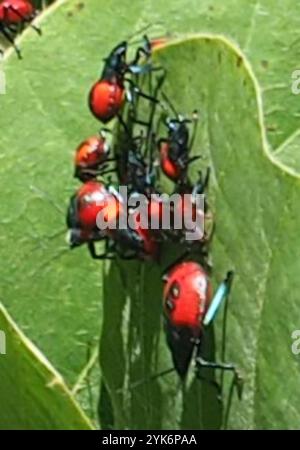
(91, 157)
(94, 202)
(174, 150)
(189, 307)
(82, 215)
(14, 13)
(186, 298)
(107, 95)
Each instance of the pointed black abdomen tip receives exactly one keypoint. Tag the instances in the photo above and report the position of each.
(181, 370)
(181, 343)
(182, 361)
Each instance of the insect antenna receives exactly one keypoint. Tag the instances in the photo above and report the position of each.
(195, 120)
(170, 104)
(140, 31)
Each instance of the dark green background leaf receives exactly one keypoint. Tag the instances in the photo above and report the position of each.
(256, 216)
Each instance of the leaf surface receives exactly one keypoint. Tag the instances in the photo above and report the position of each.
(33, 395)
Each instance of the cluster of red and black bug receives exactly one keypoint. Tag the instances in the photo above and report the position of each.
(137, 159)
(14, 15)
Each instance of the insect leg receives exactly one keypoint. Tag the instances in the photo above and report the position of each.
(213, 383)
(25, 19)
(237, 379)
(142, 51)
(6, 33)
(105, 255)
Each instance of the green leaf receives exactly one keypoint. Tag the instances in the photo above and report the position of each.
(257, 236)
(287, 154)
(33, 395)
(55, 295)
(266, 32)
